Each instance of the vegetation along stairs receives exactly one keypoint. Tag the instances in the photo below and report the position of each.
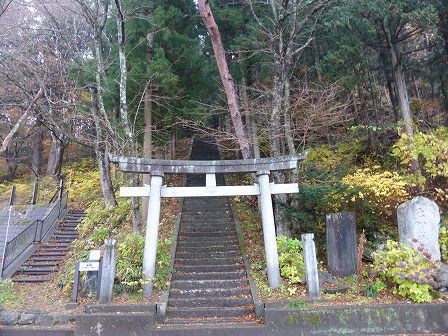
(210, 286)
(44, 262)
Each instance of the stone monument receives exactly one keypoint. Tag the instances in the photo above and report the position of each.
(419, 223)
(310, 260)
(342, 250)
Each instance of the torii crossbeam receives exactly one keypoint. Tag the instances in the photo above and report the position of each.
(264, 189)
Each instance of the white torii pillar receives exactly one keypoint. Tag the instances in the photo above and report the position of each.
(267, 218)
(152, 233)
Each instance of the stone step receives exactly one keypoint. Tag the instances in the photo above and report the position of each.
(224, 220)
(68, 229)
(200, 248)
(187, 254)
(36, 271)
(210, 302)
(209, 284)
(33, 279)
(223, 244)
(209, 275)
(57, 245)
(207, 210)
(61, 240)
(206, 229)
(209, 261)
(40, 253)
(207, 232)
(210, 268)
(53, 249)
(209, 240)
(46, 258)
(36, 331)
(207, 327)
(41, 264)
(209, 293)
(209, 312)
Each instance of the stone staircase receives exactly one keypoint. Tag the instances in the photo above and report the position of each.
(44, 262)
(210, 284)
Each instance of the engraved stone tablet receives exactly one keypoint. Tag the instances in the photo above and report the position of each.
(419, 223)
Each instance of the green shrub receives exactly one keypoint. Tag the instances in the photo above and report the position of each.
(409, 270)
(443, 241)
(290, 259)
(129, 261)
(8, 294)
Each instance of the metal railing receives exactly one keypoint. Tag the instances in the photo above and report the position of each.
(34, 233)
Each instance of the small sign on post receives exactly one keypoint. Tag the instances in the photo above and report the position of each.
(93, 269)
(88, 266)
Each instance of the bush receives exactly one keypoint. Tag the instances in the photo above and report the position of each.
(290, 259)
(443, 241)
(383, 189)
(409, 270)
(129, 261)
(429, 149)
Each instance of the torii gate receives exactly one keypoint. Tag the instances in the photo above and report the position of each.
(264, 189)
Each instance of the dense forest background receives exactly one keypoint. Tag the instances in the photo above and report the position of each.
(361, 85)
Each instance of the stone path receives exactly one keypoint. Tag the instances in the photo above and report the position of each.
(210, 284)
(46, 259)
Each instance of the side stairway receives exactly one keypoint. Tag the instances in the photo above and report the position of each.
(44, 262)
(210, 287)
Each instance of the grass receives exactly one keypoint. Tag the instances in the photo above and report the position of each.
(8, 295)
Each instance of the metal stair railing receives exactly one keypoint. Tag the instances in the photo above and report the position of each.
(34, 233)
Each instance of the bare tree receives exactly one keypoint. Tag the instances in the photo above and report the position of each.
(226, 77)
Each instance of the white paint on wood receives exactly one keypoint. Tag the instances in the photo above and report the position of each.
(287, 188)
(210, 180)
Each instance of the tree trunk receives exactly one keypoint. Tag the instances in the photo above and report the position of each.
(443, 25)
(287, 119)
(11, 161)
(107, 189)
(135, 202)
(402, 91)
(102, 154)
(36, 156)
(416, 89)
(123, 75)
(276, 128)
(147, 115)
(393, 99)
(226, 77)
(135, 207)
(316, 61)
(56, 154)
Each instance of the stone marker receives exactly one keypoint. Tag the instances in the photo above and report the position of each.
(419, 220)
(311, 273)
(342, 250)
(107, 271)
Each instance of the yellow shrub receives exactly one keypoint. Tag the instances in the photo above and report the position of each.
(385, 189)
(429, 149)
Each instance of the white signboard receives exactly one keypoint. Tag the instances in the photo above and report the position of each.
(95, 255)
(89, 266)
